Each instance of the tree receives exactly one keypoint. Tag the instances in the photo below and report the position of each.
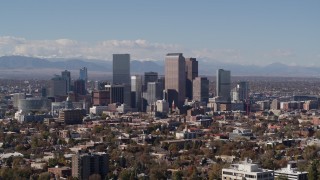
(302, 166)
(173, 148)
(177, 175)
(158, 173)
(310, 152)
(34, 142)
(6, 173)
(44, 176)
(317, 134)
(103, 116)
(215, 172)
(248, 154)
(97, 129)
(53, 162)
(9, 161)
(126, 174)
(187, 145)
(22, 173)
(193, 172)
(313, 173)
(17, 162)
(45, 134)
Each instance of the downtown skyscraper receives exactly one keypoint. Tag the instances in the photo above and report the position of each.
(136, 92)
(223, 86)
(121, 74)
(201, 89)
(58, 86)
(175, 78)
(149, 77)
(121, 69)
(83, 75)
(66, 75)
(191, 74)
(241, 92)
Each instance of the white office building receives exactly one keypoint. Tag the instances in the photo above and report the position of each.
(248, 171)
(291, 173)
(98, 110)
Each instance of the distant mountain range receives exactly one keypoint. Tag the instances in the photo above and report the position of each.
(29, 64)
(21, 62)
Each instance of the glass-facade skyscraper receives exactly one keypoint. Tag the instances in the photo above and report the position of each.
(223, 87)
(121, 74)
(191, 73)
(84, 74)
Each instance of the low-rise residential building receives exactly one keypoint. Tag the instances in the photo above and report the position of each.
(241, 133)
(60, 172)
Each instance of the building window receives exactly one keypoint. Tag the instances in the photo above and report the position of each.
(250, 176)
(228, 173)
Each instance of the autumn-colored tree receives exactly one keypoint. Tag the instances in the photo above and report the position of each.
(44, 176)
(310, 152)
(173, 148)
(17, 162)
(177, 175)
(317, 134)
(126, 174)
(215, 172)
(313, 173)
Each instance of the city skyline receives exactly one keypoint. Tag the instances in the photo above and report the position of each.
(247, 32)
(160, 89)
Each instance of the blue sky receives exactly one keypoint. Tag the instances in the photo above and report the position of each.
(244, 32)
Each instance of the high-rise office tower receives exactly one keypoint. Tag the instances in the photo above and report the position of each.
(191, 72)
(117, 93)
(100, 97)
(121, 74)
(161, 80)
(241, 92)
(154, 92)
(79, 87)
(83, 75)
(121, 68)
(66, 75)
(201, 89)
(58, 86)
(85, 165)
(175, 78)
(136, 92)
(223, 86)
(149, 77)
